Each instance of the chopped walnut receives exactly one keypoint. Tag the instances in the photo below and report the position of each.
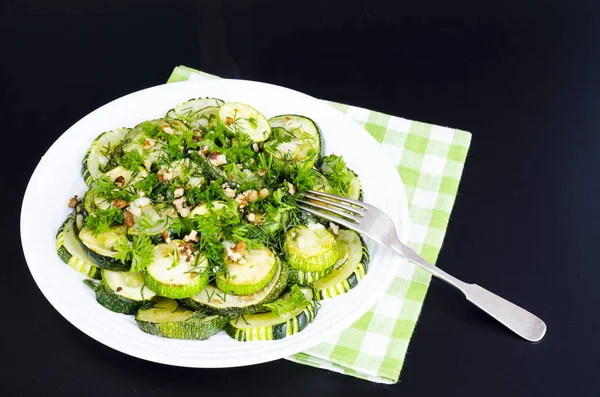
(261, 172)
(291, 188)
(120, 181)
(164, 175)
(288, 120)
(167, 129)
(263, 193)
(178, 192)
(229, 192)
(217, 159)
(148, 143)
(228, 120)
(255, 219)
(192, 237)
(118, 203)
(249, 196)
(128, 218)
(73, 202)
(204, 150)
(185, 251)
(166, 236)
(183, 210)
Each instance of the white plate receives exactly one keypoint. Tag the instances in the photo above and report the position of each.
(57, 177)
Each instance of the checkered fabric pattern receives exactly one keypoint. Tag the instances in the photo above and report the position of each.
(430, 160)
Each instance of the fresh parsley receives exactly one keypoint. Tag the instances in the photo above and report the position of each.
(281, 306)
(101, 220)
(140, 251)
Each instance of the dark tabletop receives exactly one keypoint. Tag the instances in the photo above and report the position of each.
(523, 78)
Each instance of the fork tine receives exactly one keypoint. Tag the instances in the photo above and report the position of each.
(334, 210)
(337, 204)
(339, 198)
(331, 218)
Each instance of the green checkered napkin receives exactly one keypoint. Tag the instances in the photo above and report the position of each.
(430, 161)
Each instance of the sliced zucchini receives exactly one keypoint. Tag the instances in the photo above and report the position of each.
(151, 220)
(219, 302)
(347, 276)
(239, 118)
(297, 138)
(114, 175)
(305, 278)
(268, 326)
(249, 274)
(202, 209)
(101, 248)
(122, 292)
(355, 191)
(98, 155)
(143, 138)
(166, 318)
(69, 250)
(177, 272)
(311, 248)
(351, 187)
(200, 112)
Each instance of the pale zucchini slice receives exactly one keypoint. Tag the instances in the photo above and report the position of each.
(311, 248)
(349, 274)
(122, 292)
(249, 274)
(70, 251)
(298, 139)
(175, 273)
(98, 155)
(239, 118)
(268, 326)
(199, 112)
(166, 318)
(219, 302)
(101, 248)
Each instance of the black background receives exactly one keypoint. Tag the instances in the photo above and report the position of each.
(522, 77)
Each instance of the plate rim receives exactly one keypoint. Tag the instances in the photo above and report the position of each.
(403, 229)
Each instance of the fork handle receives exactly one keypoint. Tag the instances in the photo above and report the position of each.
(515, 318)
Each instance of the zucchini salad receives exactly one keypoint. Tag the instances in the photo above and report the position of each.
(190, 223)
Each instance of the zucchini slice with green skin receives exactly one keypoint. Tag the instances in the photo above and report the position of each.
(306, 278)
(129, 178)
(150, 220)
(70, 251)
(238, 118)
(177, 271)
(229, 305)
(123, 292)
(98, 155)
(166, 318)
(349, 274)
(248, 274)
(298, 139)
(100, 248)
(311, 248)
(355, 191)
(144, 141)
(268, 326)
(199, 112)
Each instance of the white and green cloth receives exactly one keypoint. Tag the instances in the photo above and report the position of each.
(430, 161)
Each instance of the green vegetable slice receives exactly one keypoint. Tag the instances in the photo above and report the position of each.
(349, 274)
(177, 270)
(166, 318)
(70, 251)
(311, 248)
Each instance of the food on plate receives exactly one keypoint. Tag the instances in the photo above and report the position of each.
(190, 223)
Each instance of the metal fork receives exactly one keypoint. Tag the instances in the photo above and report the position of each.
(375, 224)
